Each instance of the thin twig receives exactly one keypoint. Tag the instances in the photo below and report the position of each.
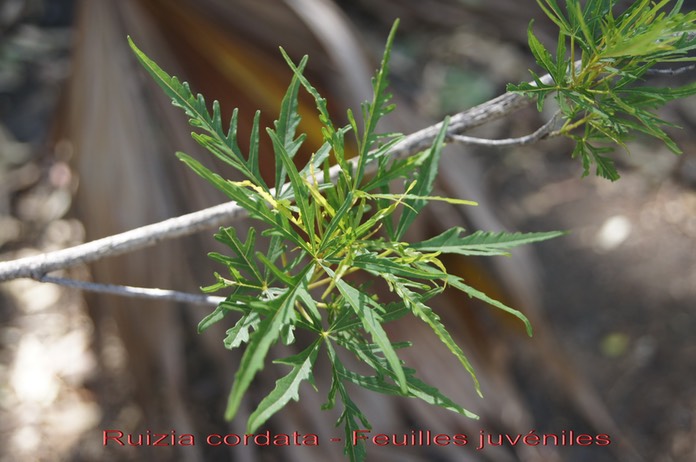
(672, 71)
(146, 236)
(543, 132)
(135, 292)
(36, 267)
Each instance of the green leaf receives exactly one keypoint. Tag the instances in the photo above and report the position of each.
(286, 126)
(415, 197)
(353, 421)
(287, 388)
(362, 304)
(240, 332)
(424, 183)
(554, 12)
(280, 274)
(329, 132)
(180, 93)
(377, 266)
(265, 335)
(314, 322)
(251, 201)
(244, 251)
(338, 221)
(289, 118)
(276, 249)
(458, 283)
(416, 389)
(541, 54)
(316, 162)
(399, 168)
(253, 161)
(432, 396)
(376, 109)
(605, 167)
(230, 304)
(351, 417)
(373, 221)
(563, 64)
(298, 185)
(223, 145)
(215, 316)
(480, 242)
(427, 315)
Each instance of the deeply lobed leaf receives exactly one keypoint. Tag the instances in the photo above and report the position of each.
(606, 95)
(320, 230)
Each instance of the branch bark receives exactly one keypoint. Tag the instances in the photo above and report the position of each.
(136, 292)
(36, 267)
(544, 131)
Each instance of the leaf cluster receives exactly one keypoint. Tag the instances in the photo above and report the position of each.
(598, 72)
(326, 237)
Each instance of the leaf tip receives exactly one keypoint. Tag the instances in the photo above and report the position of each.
(529, 328)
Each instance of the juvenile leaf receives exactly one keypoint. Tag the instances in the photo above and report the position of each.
(278, 273)
(377, 108)
(427, 315)
(350, 417)
(424, 183)
(432, 395)
(253, 161)
(287, 388)
(416, 389)
(244, 251)
(240, 332)
(480, 242)
(179, 92)
(232, 303)
(314, 321)
(606, 94)
(415, 197)
(351, 414)
(329, 132)
(250, 200)
(289, 118)
(224, 145)
(298, 185)
(337, 222)
(377, 266)
(541, 54)
(215, 316)
(265, 335)
(554, 12)
(371, 321)
(286, 126)
(399, 168)
(605, 167)
(458, 283)
(276, 249)
(316, 162)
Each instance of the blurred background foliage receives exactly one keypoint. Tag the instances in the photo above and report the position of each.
(86, 150)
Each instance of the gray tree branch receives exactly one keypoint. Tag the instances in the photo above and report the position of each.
(136, 292)
(36, 267)
(544, 131)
